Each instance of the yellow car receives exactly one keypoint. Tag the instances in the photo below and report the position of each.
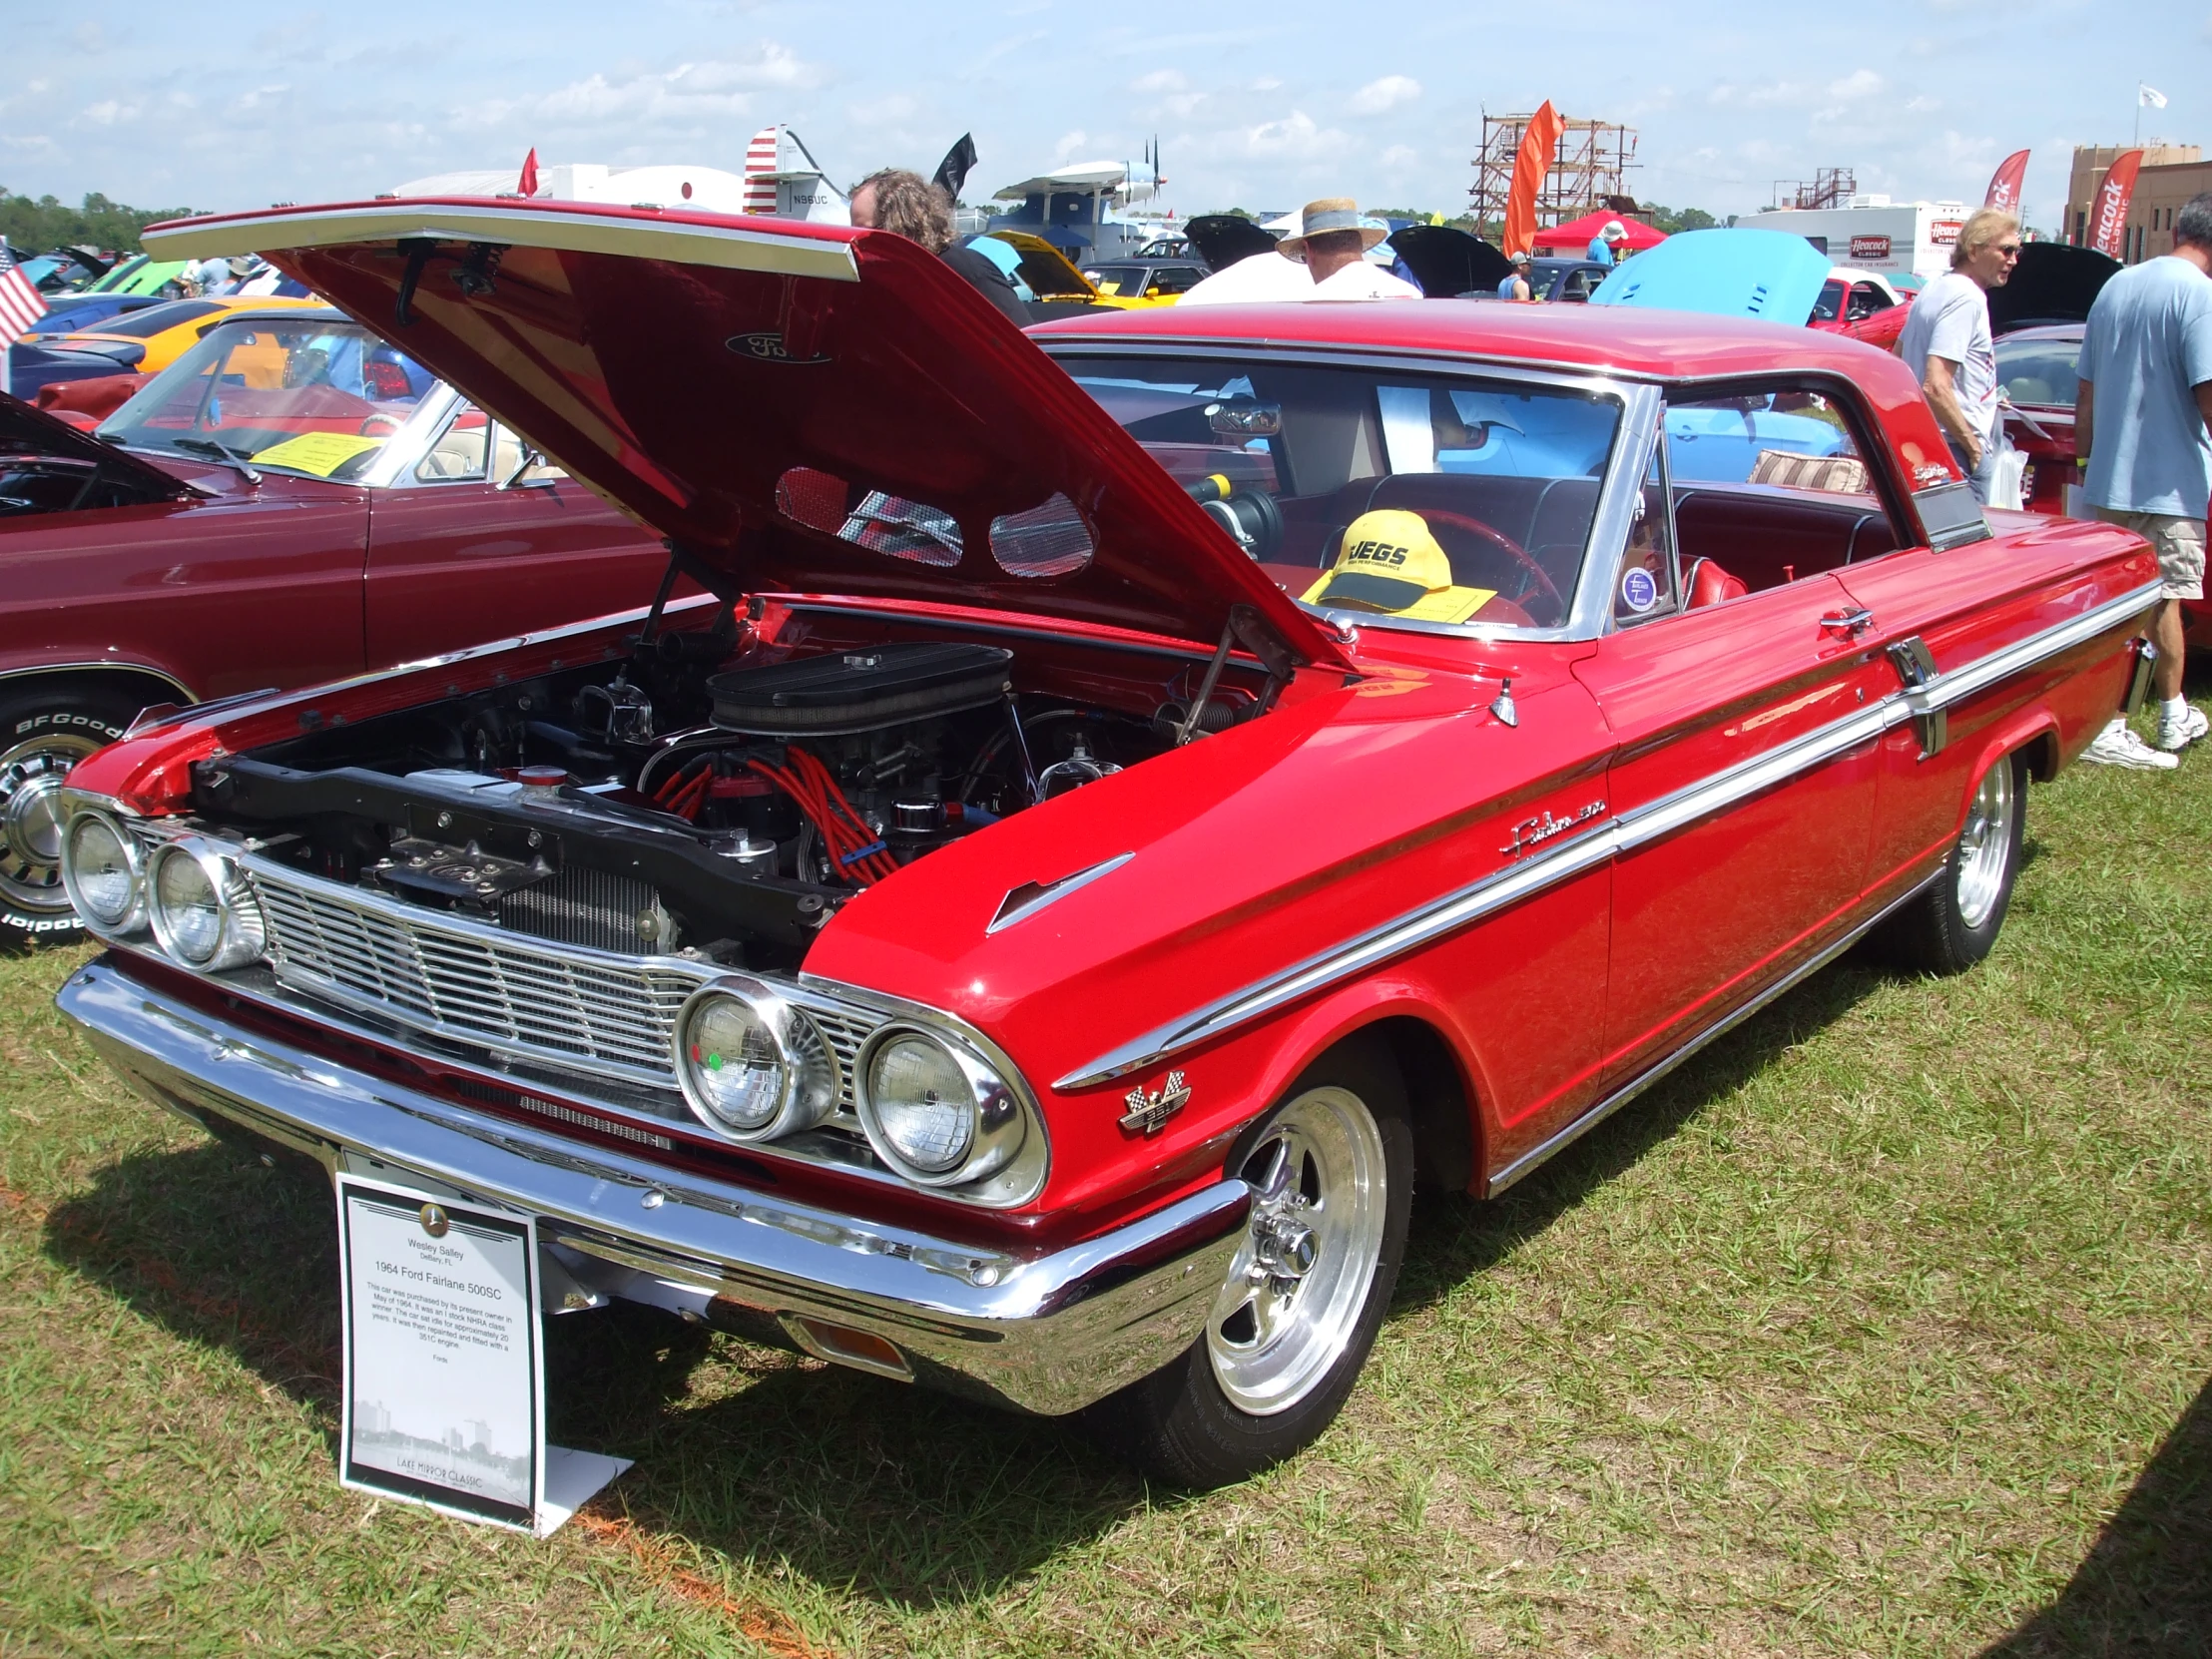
(152, 338)
(1058, 283)
(1129, 282)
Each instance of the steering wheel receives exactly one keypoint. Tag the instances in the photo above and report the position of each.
(1503, 543)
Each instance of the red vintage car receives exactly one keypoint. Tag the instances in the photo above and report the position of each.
(1140, 799)
(289, 502)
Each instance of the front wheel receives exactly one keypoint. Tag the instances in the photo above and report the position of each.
(1955, 923)
(1332, 1175)
(42, 735)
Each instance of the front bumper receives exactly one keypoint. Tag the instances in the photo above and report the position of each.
(1045, 1334)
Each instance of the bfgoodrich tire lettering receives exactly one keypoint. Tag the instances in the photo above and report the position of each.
(1955, 923)
(44, 731)
(1332, 1172)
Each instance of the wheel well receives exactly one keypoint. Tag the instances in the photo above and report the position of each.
(2042, 755)
(1437, 1094)
(148, 685)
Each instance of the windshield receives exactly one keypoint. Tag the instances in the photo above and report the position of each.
(1438, 498)
(2039, 371)
(315, 398)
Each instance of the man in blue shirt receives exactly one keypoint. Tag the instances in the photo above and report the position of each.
(1515, 283)
(2144, 429)
(1605, 246)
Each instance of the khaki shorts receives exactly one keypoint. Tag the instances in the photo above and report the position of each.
(2178, 542)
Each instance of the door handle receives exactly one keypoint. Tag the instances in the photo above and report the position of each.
(1847, 623)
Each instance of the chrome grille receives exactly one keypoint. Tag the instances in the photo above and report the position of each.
(587, 908)
(844, 1035)
(567, 1006)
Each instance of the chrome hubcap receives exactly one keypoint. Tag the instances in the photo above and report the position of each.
(1295, 1291)
(1985, 845)
(31, 776)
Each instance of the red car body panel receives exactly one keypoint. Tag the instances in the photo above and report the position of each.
(1382, 782)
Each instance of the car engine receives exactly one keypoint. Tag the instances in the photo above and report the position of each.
(698, 798)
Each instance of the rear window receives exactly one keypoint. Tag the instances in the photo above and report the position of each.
(2040, 373)
(154, 320)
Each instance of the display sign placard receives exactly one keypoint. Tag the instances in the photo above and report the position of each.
(445, 1364)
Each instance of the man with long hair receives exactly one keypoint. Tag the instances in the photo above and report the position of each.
(907, 204)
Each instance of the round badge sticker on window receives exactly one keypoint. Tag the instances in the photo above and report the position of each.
(1638, 591)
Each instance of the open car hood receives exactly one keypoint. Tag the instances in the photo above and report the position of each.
(741, 385)
(1768, 274)
(1221, 239)
(1046, 270)
(25, 430)
(1446, 260)
(2052, 282)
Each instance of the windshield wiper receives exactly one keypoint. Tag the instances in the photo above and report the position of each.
(217, 452)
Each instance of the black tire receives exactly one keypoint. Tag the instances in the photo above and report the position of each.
(45, 729)
(1180, 1423)
(1954, 925)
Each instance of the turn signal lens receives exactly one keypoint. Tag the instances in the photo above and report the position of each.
(100, 871)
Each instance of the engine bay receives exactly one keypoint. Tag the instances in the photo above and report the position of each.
(713, 794)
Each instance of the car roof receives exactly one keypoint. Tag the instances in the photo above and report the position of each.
(1612, 339)
(2043, 331)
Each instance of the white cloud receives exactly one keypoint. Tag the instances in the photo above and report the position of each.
(1295, 137)
(690, 94)
(1386, 94)
(1161, 80)
(109, 112)
(1069, 146)
(1859, 83)
(882, 112)
(1401, 155)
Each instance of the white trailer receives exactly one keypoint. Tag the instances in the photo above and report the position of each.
(1871, 233)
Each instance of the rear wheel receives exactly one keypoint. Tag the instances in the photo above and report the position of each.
(43, 733)
(1332, 1174)
(1955, 923)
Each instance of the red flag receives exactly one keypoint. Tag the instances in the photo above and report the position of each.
(2004, 184)
(1538, 142)
(2108, 218)
(527, 185)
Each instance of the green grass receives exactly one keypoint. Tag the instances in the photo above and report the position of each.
(1885, 1328)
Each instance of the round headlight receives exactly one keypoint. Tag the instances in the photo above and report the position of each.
(752, 1065)
(935, 1112)
(203, 914)
(101, 871)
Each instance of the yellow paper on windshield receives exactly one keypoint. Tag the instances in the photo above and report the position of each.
(320, 454)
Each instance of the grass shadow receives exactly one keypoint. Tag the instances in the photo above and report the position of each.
(862, 1485)
(1455, 1238)
(2146, 1585)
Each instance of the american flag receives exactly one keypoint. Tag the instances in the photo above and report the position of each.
(761, 156)
(21, 303)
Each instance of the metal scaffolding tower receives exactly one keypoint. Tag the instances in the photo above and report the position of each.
(1587, 171)
(1831, 187)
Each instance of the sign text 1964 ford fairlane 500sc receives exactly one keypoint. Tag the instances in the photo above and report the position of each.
(1136, 800)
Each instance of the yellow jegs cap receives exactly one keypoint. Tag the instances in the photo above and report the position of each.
(1391, 563)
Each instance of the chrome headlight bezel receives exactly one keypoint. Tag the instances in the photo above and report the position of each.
(998, 1126)
(241, 937)
(134, 917)
(808, 1094)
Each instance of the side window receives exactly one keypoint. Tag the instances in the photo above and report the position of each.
(1769, 487)
(507, 452)
(461, 453)
(1646, 586)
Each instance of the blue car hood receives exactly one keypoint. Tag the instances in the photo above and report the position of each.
(1769, 275)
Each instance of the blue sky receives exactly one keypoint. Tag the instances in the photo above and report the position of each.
(1261, 107)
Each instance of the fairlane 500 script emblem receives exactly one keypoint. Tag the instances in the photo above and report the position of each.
(1147, 1112)
(1534, 831)
(768, 346)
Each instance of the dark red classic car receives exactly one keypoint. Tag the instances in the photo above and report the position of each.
(290, 501)
(1140, 798)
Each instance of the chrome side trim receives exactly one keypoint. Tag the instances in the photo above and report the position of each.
(1621, 1096)
(1053, 892)
(1637, 828)
(1047, 1332)
(684, 240)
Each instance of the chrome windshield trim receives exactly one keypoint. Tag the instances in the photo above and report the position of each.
(1639, 827)
(404, 449)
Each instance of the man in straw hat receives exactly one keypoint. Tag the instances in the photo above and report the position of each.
(1332, 246)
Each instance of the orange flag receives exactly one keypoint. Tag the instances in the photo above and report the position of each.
(1538, 144)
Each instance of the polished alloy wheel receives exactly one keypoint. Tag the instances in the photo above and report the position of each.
(1985, 845)
(31, 776)
(1295, 1292)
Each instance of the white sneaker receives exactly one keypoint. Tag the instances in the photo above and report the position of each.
(2176, 734)
(2118, 745)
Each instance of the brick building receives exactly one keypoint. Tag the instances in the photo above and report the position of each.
(2172, 173)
